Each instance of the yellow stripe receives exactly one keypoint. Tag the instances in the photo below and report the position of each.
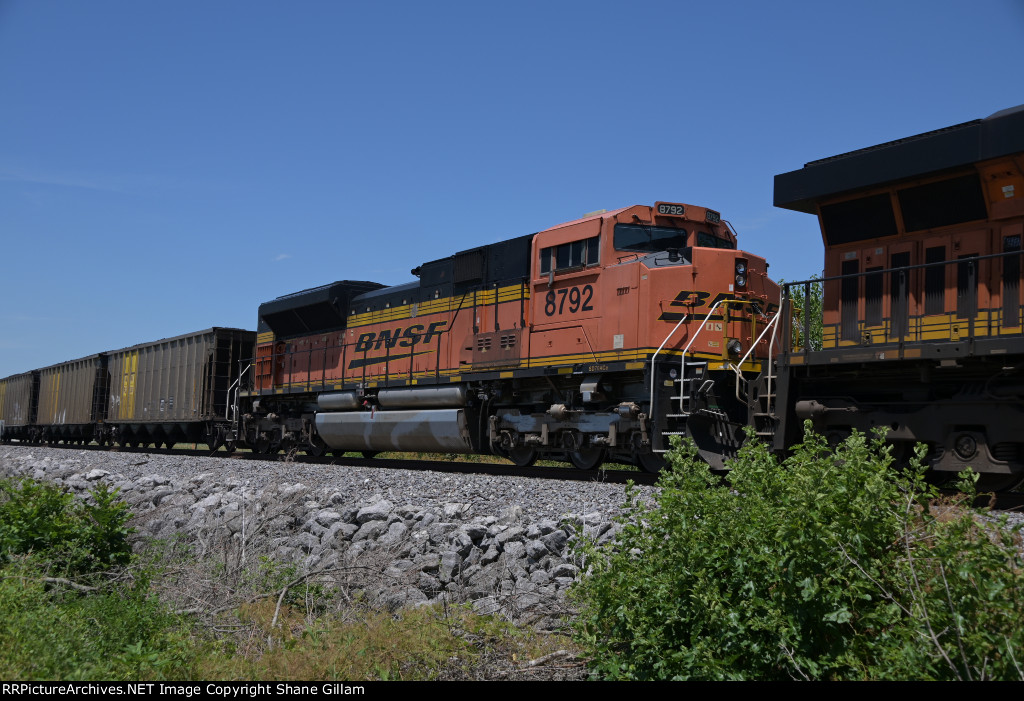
(510, 293)
(564, 363)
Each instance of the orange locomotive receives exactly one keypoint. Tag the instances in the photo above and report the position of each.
(922, 295)
(594, 339)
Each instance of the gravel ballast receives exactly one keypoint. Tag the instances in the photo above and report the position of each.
(504, 543)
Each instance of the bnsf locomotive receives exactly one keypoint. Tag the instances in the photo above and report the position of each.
(922, 300)
(586, 341)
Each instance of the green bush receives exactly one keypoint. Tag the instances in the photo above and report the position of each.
(71, 608)
(75, 536)
(831, 565)
(117, 631)
(808, 304)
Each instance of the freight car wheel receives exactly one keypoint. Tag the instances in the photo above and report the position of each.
(587, 459)
(213, 439)
(522, 457)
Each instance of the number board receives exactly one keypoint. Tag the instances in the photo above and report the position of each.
(672, 210)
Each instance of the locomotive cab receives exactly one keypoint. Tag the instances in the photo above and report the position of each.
(664, 291)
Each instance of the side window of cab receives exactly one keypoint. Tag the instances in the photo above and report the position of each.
(574, 255)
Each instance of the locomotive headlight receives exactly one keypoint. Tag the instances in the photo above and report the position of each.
(741, 273)
(734, 347)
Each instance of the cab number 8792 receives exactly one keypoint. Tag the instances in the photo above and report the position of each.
(579, 300)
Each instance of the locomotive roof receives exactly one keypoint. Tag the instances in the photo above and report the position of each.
(934, 151)
(596, 215)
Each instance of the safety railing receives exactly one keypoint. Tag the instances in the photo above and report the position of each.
(898, 305)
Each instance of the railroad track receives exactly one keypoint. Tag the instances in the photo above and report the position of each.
(567, 474)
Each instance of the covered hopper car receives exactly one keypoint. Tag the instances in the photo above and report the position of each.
(173, 390)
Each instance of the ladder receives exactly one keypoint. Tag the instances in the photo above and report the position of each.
(688, 389)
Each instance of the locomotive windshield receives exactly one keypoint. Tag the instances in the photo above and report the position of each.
(707, 240)
(637, 237)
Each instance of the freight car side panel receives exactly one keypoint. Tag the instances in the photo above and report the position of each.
(16, 400)
(67, 392)
(124, 369)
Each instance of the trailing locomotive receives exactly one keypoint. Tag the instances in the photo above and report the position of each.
(922, 300)
(598, 338)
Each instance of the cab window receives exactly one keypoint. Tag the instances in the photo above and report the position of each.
(567, 256)
(706, 240)
(637, 237)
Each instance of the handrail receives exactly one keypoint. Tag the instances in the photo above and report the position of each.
(682, 369)
(234, 403)
(771, 346)
(670, 335)
(682, 365)
(902, 268)
(738, 368)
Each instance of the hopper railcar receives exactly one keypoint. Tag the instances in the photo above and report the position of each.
(159, 393)
(598, 338)
(923, 315)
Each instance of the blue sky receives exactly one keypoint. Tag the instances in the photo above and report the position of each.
(168, 166)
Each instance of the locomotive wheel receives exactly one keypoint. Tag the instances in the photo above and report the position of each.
(370, 454)
(316, 447)
(997, 483)
(587, 459)
(651, 462)
(523, 456)
(262, 446)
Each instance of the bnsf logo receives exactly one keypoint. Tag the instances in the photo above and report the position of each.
(698, 298)
(389, 338)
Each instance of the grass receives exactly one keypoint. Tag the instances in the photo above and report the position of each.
(124, 617)
(421, 644)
